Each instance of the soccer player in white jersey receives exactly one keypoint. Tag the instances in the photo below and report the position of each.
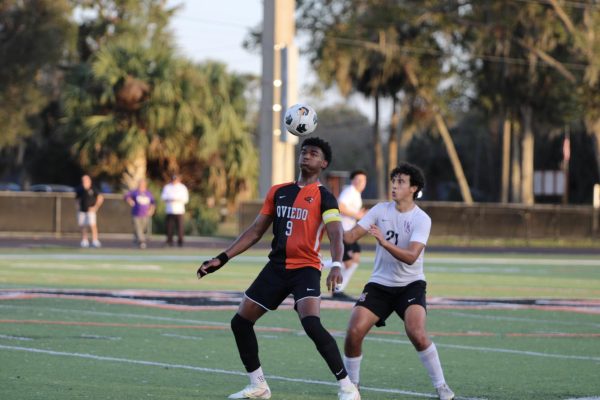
(397, 283)
(351, 208)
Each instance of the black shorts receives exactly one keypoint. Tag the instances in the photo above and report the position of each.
(349, 250)
(275, 283)
(382, 300)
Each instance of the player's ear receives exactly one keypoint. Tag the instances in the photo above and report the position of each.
(324, 164)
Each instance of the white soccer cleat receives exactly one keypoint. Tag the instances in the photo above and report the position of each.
(253, 391)
(84, 244)
(349, 392)
(444, 392)
(96, 244)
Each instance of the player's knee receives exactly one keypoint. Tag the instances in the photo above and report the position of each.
(239, 323)
(419, 338)
(353, 334)
(315, 330)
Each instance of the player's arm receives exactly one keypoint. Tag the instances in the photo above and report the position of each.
(249, 237)
(354, 234)
(99, 202)
(407, 256)
(335, 233)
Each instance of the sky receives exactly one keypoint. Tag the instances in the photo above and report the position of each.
(215, 29)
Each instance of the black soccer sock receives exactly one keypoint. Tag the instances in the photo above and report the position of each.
(247, 345)
(325, 344)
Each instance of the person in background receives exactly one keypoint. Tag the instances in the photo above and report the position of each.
(351, 208)
(142, 208)
(176, 196)
(88, 202)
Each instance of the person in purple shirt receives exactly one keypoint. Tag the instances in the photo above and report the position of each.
(142, 208)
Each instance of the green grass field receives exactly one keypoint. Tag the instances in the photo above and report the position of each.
(500, 345)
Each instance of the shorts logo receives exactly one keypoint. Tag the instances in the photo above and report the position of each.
(363, 296)
(310, 290)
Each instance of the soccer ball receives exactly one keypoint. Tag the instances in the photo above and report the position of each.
(300, 119)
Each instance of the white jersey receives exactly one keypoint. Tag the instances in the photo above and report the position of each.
(400, 229)
(352, 199)
(176, 196)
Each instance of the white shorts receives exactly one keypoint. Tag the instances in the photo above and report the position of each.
(86, 218)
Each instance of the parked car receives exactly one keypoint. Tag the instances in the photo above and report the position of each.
(10, 187)
(41, 187)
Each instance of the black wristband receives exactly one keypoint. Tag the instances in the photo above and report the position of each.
(223, 258)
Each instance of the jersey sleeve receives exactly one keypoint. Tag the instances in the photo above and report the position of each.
(329, 208)
(371, 217)
(422, 228)
(268, 207)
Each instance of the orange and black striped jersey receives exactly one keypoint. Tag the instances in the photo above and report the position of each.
(299, 218)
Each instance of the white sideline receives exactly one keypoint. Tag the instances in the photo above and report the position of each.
(370, 338)
(432, 259)
(212, 370)
(492, 350)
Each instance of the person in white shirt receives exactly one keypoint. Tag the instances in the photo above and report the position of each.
(351, 207)
(176, 196)
(397, 283)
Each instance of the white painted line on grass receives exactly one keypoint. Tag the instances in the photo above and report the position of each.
(492, 350)
(11, 337)
(339, 335)
(515, 319)
(174, 335)
(212, 370)
(120, 315)
(432, 259)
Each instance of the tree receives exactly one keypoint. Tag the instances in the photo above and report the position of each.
(380, 48)
(34, 36)
(582, 24)
(134, 103)
(514, 50)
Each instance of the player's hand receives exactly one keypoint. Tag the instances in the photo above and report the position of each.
(208, 267)
(376, 233)
(334, 278)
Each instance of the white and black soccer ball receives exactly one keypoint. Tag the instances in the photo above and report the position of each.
(300, 120)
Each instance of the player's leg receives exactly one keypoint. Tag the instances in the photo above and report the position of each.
(82, 222)
(170, 218)
(351, 262)
(180, 229)
(361, 322)
(307, 294)
(266, 293)
(93, 229)
(414, 322)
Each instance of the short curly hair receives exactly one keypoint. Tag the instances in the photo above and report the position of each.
(320, 143)
(417, 177)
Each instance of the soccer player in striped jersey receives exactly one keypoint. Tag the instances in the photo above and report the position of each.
(397, 283)
(300, 212)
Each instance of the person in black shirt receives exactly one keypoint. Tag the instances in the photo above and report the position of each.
(88, 202)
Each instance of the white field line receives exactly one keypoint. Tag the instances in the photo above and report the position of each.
(430, 259)
(174, 335)
(119, 315)
(515, 319)
(339, 335)
(493, 350)
(11, 337)
(210, 370)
